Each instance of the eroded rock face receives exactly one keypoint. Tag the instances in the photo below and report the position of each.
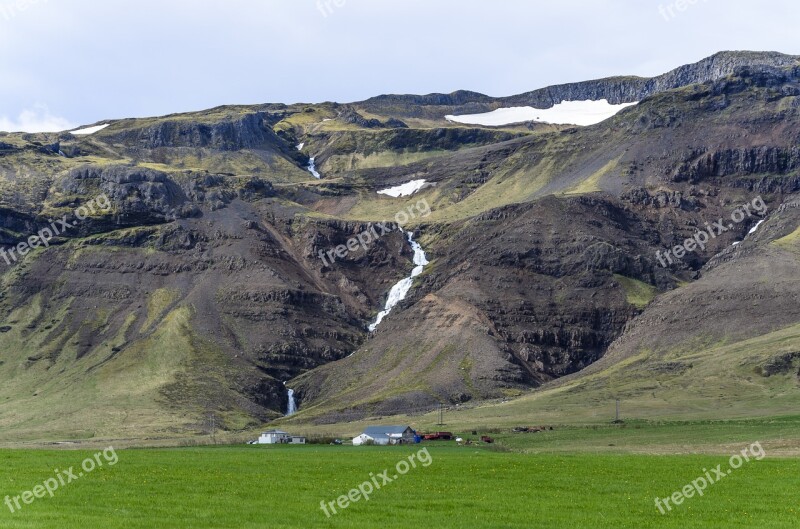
(518, 296)
(147, 196)
(251, 131)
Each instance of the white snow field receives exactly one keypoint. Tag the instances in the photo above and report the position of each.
(403, 190)
(565, 113)
(88, 130)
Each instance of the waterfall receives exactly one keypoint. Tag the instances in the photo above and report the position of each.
(291, 409)
(312, 168)
(399, 292)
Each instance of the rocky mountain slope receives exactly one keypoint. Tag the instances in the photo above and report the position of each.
(201, 291)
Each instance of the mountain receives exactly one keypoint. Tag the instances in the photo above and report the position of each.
(200, 290)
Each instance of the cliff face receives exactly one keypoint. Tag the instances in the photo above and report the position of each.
(729, 162)
(629, 89)
(718, 66)
(250, 131)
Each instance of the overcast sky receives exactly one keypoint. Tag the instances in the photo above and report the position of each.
(74, 62)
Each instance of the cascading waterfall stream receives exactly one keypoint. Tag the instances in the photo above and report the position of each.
(312, 167)
(399, 291)
(291, 408)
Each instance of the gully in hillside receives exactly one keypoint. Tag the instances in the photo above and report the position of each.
(399, 292)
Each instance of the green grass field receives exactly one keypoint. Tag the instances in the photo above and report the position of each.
(257, 487)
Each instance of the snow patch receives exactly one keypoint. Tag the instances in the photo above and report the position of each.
(88, 130)
(399, 292)
(752, 231)
(404, 190)
(754, 228)
(300, 146)
(565, 113)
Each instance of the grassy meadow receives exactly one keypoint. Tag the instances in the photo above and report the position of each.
(242, 487)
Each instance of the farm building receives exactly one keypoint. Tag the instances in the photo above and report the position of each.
(272, 437)
(385, 435)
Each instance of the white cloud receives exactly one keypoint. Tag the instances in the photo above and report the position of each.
(37, 119)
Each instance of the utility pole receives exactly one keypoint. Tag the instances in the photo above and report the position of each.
(212, 421)
(440, 415)
(617, 415)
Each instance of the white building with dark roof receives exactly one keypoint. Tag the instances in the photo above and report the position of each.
(385, 435)
(273, 437)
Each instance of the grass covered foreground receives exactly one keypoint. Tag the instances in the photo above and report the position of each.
(257, 487)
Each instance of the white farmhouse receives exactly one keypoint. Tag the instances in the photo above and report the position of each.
(385, 435)
(272, 437)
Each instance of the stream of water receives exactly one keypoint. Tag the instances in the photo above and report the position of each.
(399, 291)
(291, 408)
